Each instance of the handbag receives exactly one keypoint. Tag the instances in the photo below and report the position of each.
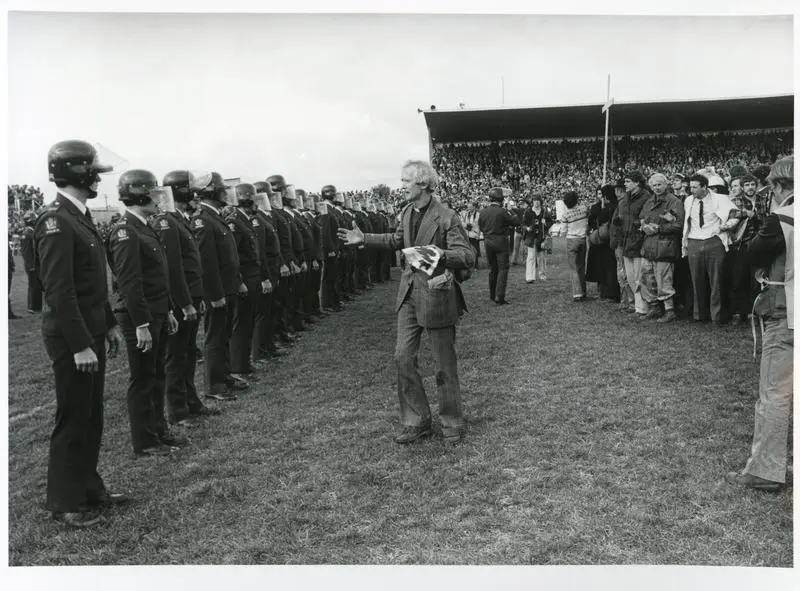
(600, 236)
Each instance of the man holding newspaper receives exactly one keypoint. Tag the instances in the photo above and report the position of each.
(438, 257)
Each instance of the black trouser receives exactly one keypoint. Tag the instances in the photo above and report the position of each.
(362, 268)
(682, 283)
(280, 306)
(348, 264)
(330, 283)
(215, 346)
(387, 256)
(34, 291)
(264, 333)
(497, 256)
(377, 265)
(742, 284)
(72, 478)
(244, 321)
(313, 282)
(294, 308)
(180, 364)
(146, 382)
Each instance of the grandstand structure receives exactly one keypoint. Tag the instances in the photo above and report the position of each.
(584, 122)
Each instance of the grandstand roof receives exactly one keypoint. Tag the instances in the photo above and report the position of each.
(686, 116)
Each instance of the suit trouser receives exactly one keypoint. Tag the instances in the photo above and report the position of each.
(34, 291)
(386, 263)
(656, 283)
(497, 257)
(349, 270)
(706, 258)
(264, 333)
(682, 281)
(377, 265)
(576, 258)
(414, 408)
(330, 283)
(180, 363)
(215, 345)
(295, 304)
(146, 383)
(633, 274)
(243, 327)
(72, 478)
(771, 430)
(743, 286)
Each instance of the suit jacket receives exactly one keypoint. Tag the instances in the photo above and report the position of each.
(283, 226)
(73, 270)
(27, 250)
(495, 222)
(440, 226)
(271, 246)
(244, 235)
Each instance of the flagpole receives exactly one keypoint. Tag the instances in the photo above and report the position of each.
(607, 109)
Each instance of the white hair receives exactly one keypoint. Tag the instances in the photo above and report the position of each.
(657, 177)
(422, 173)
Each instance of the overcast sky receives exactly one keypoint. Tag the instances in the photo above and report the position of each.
(334, 98)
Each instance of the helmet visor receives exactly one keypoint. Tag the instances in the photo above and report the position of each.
(163, 198)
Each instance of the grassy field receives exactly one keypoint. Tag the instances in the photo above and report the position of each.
(593, 439)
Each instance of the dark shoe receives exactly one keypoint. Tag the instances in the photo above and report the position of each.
(32, 311)
(12, 316)
(736, 320)
(452, 436)
(652, 315)
(412, 434)
(246, 378)
(173, 440)
(235, 383)
(224, 396)
(205, 411)
(310, 320)
(578, 299)
(754, 482)
(82, 519)
(156, 450)
(107, 500)
(276, 352)
(502, 302)
(669, 316)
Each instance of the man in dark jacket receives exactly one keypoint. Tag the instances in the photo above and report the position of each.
(627, 218)
(662, 224)
(495, 223)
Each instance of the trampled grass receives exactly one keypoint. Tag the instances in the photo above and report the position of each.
(593, 439)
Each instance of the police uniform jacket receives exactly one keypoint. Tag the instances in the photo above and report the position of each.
(316, 229)
(244, 234)
(286, 235)
(139, 264)
(72, 268)
(304, 226)
(297, 237)
(217, 252)
(166, 228)
(190, 254)
(329, 227)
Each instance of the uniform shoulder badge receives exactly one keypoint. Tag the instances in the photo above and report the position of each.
(51, 226)
(197, 222)
(232, 226)
(163, 224)
(255, 223)
(122, 234)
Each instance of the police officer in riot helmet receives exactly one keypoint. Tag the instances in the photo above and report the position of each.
(77, 325)
(240, 222)
(291, 250)
(183, 403)
(331, 221)
(221, 284)
(143, 309)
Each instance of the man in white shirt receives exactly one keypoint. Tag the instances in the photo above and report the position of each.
(705, 242)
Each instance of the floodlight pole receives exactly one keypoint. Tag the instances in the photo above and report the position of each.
(607, 111)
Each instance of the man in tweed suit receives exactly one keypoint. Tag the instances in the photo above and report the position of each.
(433, 304)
